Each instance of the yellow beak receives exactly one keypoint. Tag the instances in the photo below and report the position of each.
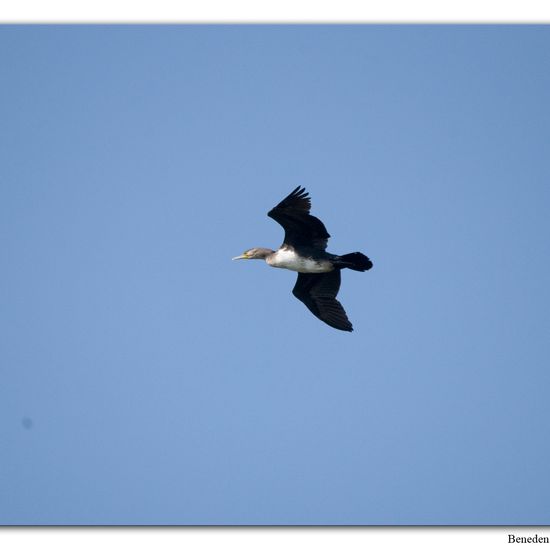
(241, 257)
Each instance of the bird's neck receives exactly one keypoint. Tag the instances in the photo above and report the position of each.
(264, 253)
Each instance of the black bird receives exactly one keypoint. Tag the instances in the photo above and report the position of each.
(303, 250)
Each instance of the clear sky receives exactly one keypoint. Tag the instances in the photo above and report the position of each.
(147, 379)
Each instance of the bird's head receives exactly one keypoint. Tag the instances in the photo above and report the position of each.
(254, 254)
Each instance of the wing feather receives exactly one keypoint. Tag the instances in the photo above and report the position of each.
(301, 228)
(318, 292)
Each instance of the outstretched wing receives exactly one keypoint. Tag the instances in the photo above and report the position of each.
(318, 292)
(301, 228)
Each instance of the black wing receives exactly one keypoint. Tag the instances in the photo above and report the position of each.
(318, 292)
(301, 228)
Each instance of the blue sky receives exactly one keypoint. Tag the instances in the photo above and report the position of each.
(147, 379)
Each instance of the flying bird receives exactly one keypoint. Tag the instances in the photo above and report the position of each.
(304, 251)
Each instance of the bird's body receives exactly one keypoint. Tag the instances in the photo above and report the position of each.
(287, 257)
(304, 251)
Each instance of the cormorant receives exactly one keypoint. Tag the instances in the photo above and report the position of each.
(303, 250)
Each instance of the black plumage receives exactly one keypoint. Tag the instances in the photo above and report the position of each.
(318, 292)
(304, 251)
(301, 228)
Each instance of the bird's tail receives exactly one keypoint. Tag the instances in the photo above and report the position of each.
(355, 261)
